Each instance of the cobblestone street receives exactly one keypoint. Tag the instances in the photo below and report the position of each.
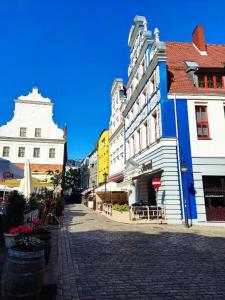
(101, 259)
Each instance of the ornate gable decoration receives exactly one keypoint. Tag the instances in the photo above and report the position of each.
(137, 36)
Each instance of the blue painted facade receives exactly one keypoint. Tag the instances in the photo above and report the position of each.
(186, 157)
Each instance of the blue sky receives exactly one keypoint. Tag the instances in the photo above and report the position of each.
(72, 50)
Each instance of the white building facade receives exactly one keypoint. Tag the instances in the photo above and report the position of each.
(198, 86)
(116, 132)
(149, 152)
(32, 134)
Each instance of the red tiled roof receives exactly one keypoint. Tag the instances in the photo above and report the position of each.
(178, 53)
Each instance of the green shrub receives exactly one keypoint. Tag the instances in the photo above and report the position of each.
(59, 207)
(34, 202)
(14, 214)
(121, 208)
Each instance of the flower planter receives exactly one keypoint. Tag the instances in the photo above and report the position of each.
(9, 240)
(22, 275)
(46, 238)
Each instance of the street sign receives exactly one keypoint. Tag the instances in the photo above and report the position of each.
(156, 183)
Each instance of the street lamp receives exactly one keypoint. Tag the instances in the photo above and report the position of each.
(184, 169)
(105, 175)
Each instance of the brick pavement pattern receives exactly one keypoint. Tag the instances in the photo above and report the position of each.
(102, 259)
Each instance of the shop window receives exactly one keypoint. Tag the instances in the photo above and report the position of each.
(211, 81)
(21, 152)
(202, 122)
(5, 152)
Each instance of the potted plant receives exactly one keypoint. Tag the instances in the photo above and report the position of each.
(14, 215)
(43, 232)
(22, 275)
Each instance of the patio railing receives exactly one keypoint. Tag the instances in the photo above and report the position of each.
(149, 213)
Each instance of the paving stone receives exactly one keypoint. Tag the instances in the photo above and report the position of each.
(101, 259)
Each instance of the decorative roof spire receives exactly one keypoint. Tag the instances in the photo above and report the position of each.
(156, 33)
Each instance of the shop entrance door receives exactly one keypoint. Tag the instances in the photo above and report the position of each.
(151, 193)
(214, 193)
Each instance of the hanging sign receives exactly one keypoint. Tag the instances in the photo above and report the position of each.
(146, 167)
(156, 183)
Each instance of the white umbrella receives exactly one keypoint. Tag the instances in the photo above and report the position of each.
(26, 183)
(110, 187)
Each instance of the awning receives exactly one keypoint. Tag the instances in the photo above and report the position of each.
(125, 186)
(117, 178)
(9, 170)
(110, 187)
(87, 191)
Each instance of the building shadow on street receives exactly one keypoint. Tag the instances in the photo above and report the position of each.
(153, 265)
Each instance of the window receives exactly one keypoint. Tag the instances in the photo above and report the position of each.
(155, 125)
(133, 148)
(152, 84)
(103, 141)
(139, 140)
(36, 152)
(211, 81)
(202, 122)
(21, 152)
(37, 132)
(23, 131)
(146, 133)
(52, 152)
(5, 152)
(128, 149)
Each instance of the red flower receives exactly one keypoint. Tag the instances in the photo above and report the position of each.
(53, 203)
(36, 222)
(19, 229)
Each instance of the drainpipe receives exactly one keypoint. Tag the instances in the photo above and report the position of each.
(178, 158)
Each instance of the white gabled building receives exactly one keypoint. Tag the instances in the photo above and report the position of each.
(32, 134)
(116, 132)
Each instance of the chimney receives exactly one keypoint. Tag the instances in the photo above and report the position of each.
(199, 39)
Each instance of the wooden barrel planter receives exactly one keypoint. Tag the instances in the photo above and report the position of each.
(46, 238)
(22, 275)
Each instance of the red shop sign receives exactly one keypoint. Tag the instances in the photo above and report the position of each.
(156, 183)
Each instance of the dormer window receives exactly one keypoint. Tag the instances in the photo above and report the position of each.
(210, 81)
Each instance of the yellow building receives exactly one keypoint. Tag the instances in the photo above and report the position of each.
(103, 156)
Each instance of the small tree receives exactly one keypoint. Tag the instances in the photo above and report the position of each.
(56, 178)
(72, 179)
